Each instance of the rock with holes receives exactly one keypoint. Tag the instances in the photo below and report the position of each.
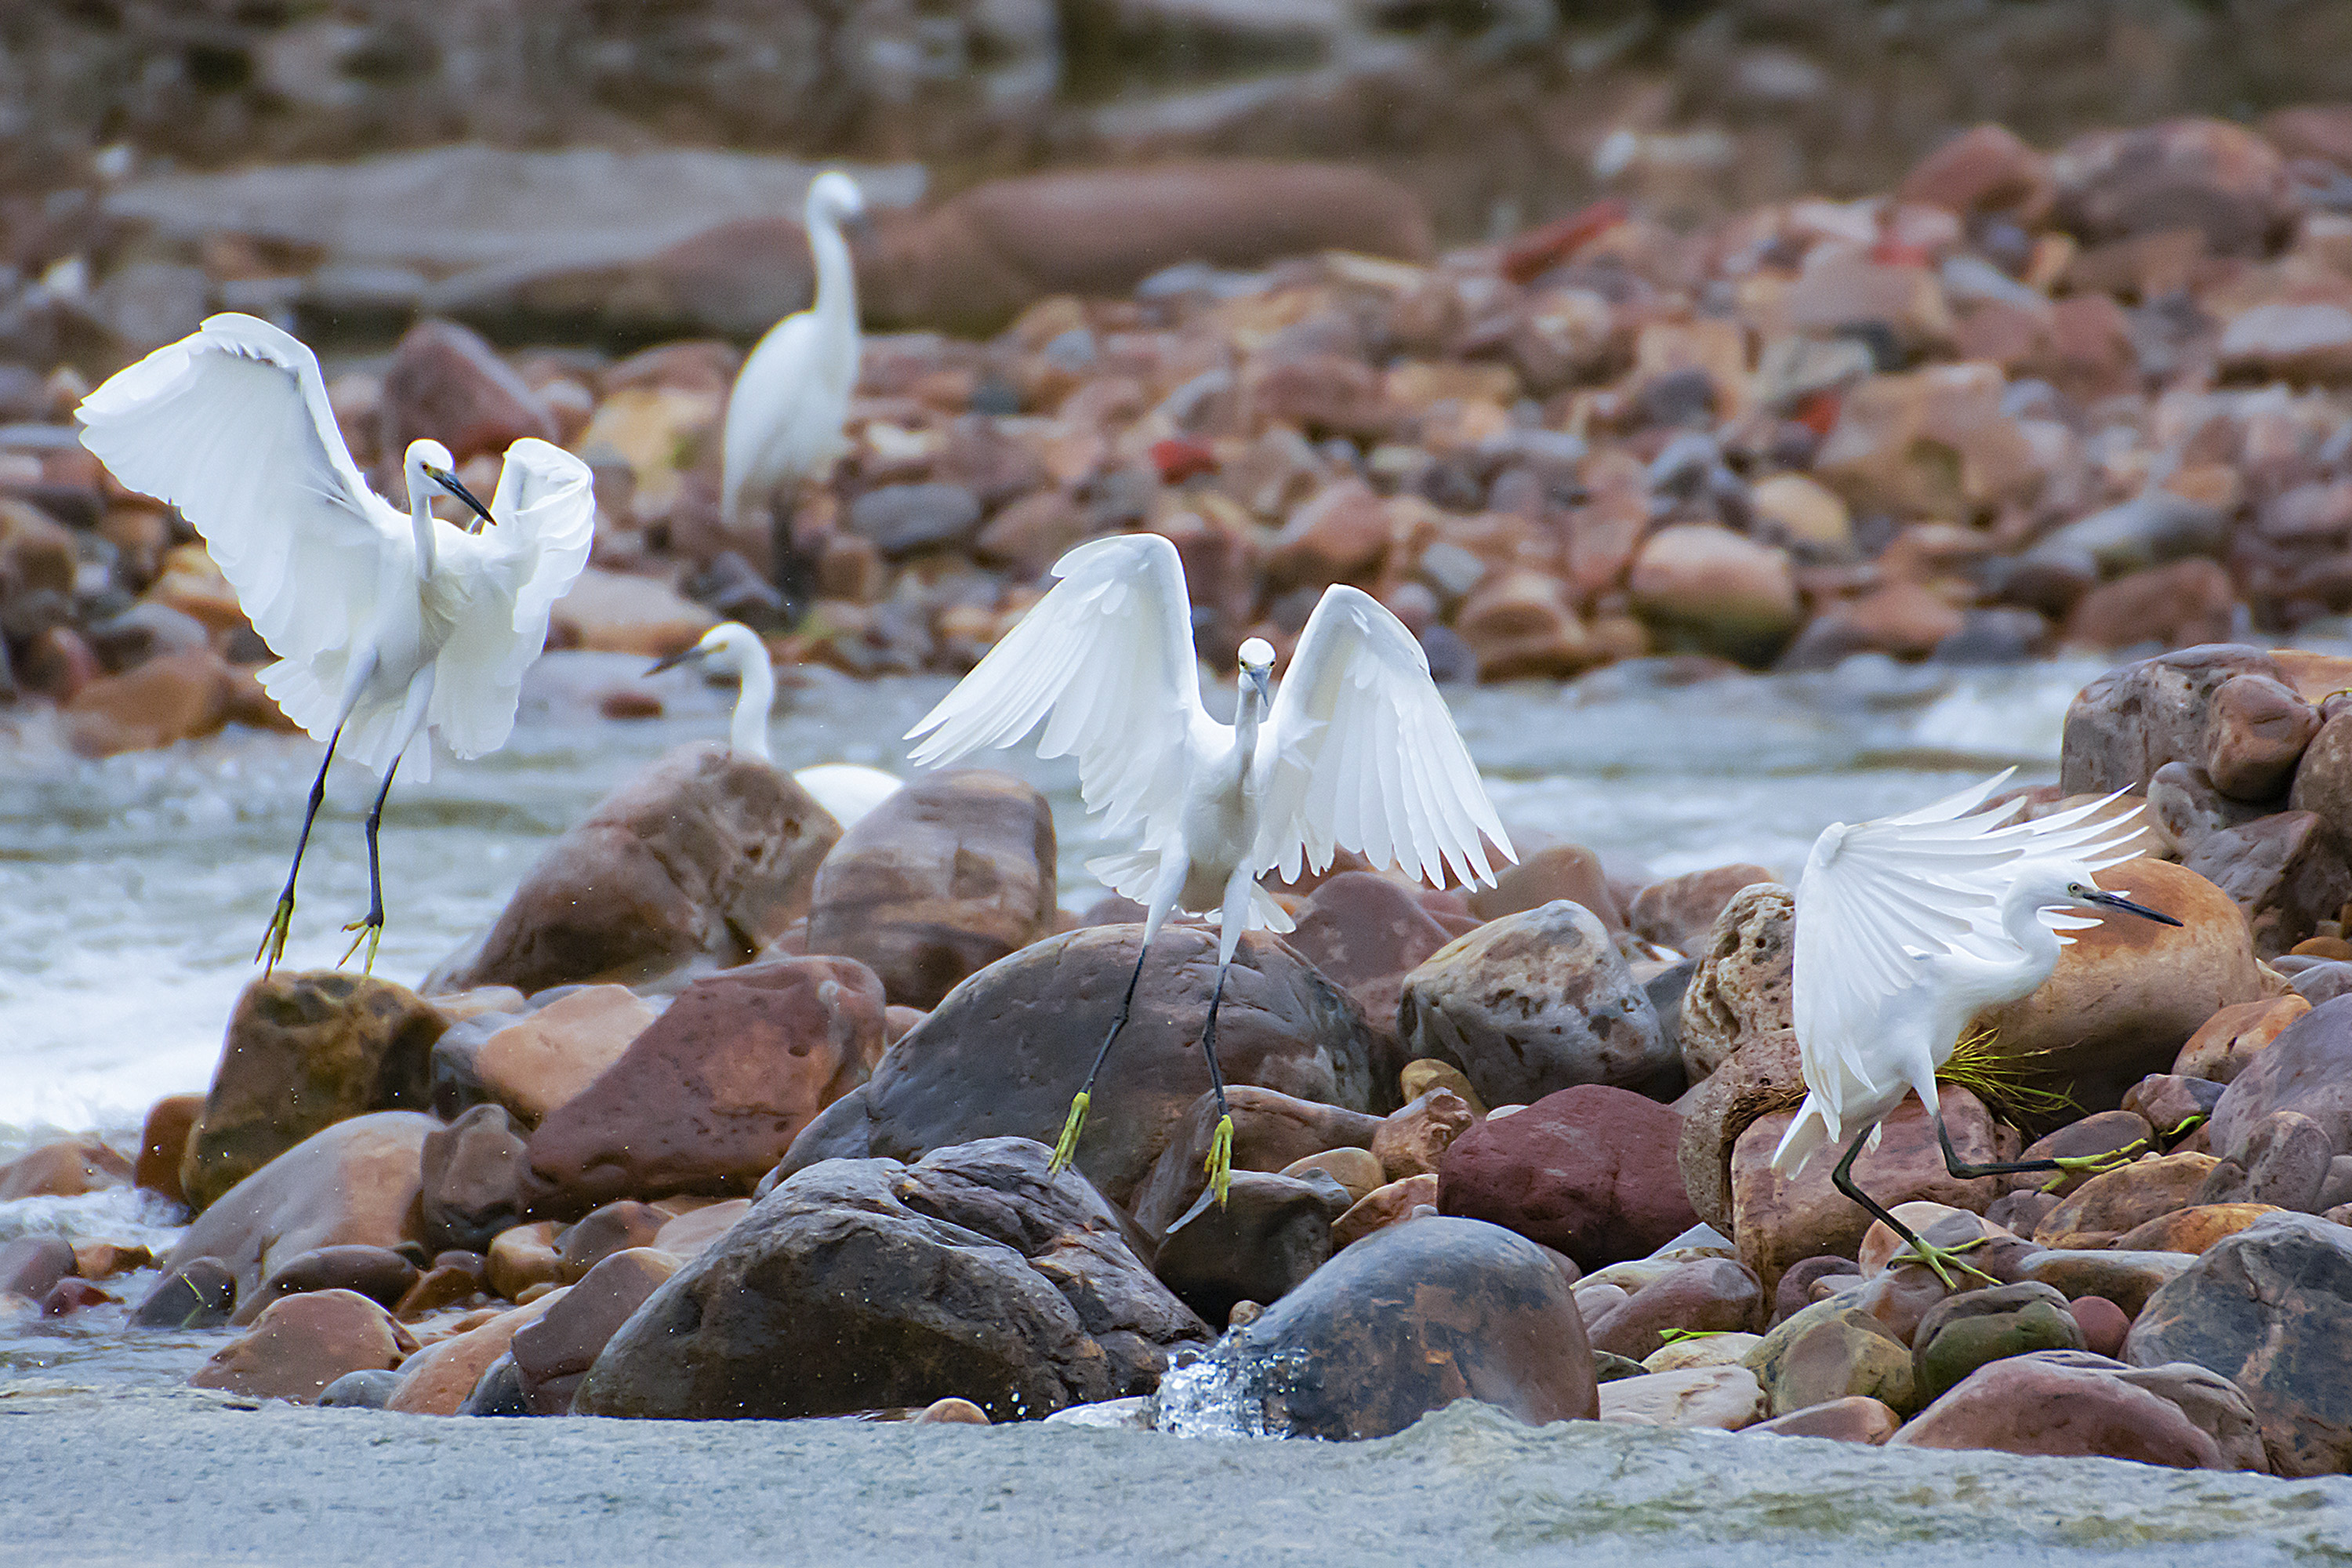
(1740, 992)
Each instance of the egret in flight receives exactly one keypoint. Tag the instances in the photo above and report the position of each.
(1906, 928)
(845, 790)
(1356, 751)
(384, 621)
(784, 417)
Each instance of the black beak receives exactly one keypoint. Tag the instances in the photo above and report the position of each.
(683, 656)
(448, 482)
(2118, 901)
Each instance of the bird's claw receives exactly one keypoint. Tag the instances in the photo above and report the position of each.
(273, 941)
(2099, 1164)
(1066, 1147)
(369, 932)
(1941, 1261)
(1220, 1163)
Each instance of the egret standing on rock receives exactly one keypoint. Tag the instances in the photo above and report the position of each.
(784, 417)
(385, 623)
(1356, 750)
(847, 790)
(1906, 928)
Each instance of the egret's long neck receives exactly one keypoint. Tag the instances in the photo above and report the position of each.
(420, 519)
(749, 731)
(1246, 722)
(836, 280)
(2020, 919)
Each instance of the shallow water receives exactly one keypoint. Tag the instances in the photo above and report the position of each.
(134, 889)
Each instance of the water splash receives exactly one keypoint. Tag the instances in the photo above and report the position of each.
(1233, 1389)
(123, 1214)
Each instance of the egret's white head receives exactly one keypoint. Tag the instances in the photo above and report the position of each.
(1257, 668)
(834, 199)
(727, 637)
(2062, 884)
(430, 462)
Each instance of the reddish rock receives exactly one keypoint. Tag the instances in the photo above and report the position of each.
(31, 1266)
(1412, 1141)
(2103, 1324)
(436, 1379)
(1680, 912)
(1984, 169)
(709, 1097)
(1715, 590)
(541, 1059)
(171, 697)
(1365, 931)
(303, 1344)
(2187, 603)
(2306, 1069)
(163, 1141)
(2226, 1043)
(2207, 174)
(1393, 1202)
(1321, 395)
(355, 1182)
(471, 1175)
(552, 1353)
(64, 1169)
(2107, 1205)
(2255, 731)
(67, 1296)
(444, 383)
(2022, 1405)
(1340, 536)
(1709, 1295)
(1520, 625)
(1856, 1418)
(1587, 1170)
(1568, 871)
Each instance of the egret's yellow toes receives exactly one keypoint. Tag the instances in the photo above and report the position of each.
(1220, 1163)
(1942, 1260)
(273, 941)
(1066, 1148)
(371, 933)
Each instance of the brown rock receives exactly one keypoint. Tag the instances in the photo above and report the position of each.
(2193, 1229)
(2302, 1070)
(105, 1259)
(1832, 1351)
(1718, 1398)
(950, 874)
(1984, 169)
(691, 1232)
(2102, 1132)
(1928, 443)
(2224, 1044)
(2127, 723)
(1568, 871)
(2256, 729)
(171, 697)
(2286, 871)
(2286, 341)
(1841, 291)
(1587, 1170)
(30, 1266)
(2284, 1160)
(1271, 1129)
(704, 855)
(552, 1353)
(523, 1256)
(1413, 1141)
(624, 611)
(552, 1053)
(1365, 931)
(1392, 1204)
(1520, 625)
(470, 1174)
(1709, 1295)
(163, 1142)
(305, 1343)
(436, 1379)
(1271, 1232)
(1856, 1418)
(1715, 591)
(447, 383)
(614, 1227)
(355, 1183)
(64, 1169)
(2021, 1406)
(710, 1096)
(2127, 1279)
(1680, 912)
(1740, 992)
(2208, 174)
(378, 1273)
(1357, 1171)
(1339, 536)
(2106, 1207)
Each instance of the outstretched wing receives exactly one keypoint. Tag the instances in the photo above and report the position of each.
(1877, 896)
(498, 586)
(1104, 661)
(232, 426)
(1359, 753)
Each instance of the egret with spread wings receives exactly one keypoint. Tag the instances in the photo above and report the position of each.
(1356, 750)
(1906, 928)
(384, 621)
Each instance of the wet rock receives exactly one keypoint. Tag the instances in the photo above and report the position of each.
(2107, 1205)
(65, 1169)
(2306, 1069)
(948, 875)
(378, 1273)
(163, 1142)
(305, 1343)
(1711, 1294)
(497, 1391)
(710, 1096)
(366, 1389)
(438, 1379)
(1533, 1003)
(198, 1294)
(1725, 1398)
(2207, 174)
(704, 855)
(863, 1283)
(554, 1352)
(447, 383)
(2265, 1308)
(1680, 912)
(2224, 1044)
(305, 1051)
(1589, 1171)
(1832, 1351)
(1974, 1328)
(1715, 591)
(105, 1259)
(1393, 1202)
(1003, 1054)
(1856, 1418)
(2283, 1162)
(1412, 1141)
(447, 1283)
(30, 1266)
(2030, 1406)
(612, 1228)
(1740, 991)
(523, 1256)
(1408, 1321)
(356, 1183)
(470, 1173)
(1271, 1232)
(531, 1065)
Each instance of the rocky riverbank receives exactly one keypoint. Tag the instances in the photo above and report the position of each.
(764, 1136)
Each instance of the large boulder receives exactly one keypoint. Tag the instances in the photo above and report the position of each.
(1589, 1171)
(2025, 1405)
(1405, 1322)
(862, 1283)
(1366, 932)
(355, 1182)
(946, 876)
(2306, 1069)
(706, 856)
(304, 1051)
(1740, 992)
(1006, 1050)
(714, 1091)
(2269, 1308)
(2132, 720)
(1535, 1002)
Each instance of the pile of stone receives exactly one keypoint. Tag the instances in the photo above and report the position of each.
(732, 1114)
(2093, 399)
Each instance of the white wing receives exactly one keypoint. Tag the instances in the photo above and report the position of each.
(1359, 753)
(1876, 895)
(232, 426)
(498, 586)
(1106, 661)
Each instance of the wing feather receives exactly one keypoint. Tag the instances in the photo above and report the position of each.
(1105, 662)
(1356, 731)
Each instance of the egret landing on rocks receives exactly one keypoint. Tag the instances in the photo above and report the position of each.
(847, 790)
(784, 417)
(1356, 750)
(385, 623)
(1907, 926)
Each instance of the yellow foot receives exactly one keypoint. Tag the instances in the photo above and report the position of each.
(1066, 1148)
(370, 932)
(2072, 1165)
(1220, 1163)
(1943, 1260)
(273, 941)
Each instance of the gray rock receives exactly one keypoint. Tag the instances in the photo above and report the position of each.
(902, 519)
(370, 1388)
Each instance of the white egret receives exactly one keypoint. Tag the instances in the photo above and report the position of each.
(384, 622)
(847, 790)
(1356, 751)
(1906, 928)
(785, 414)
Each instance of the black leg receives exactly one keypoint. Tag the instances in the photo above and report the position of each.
(1220, 1163)
(1066, 1147)
(372, 927)
(1209, 1042)
(273, 941)
(1938, 1258)
(1953, 1162)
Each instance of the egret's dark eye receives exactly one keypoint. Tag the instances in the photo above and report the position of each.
(2075, 888)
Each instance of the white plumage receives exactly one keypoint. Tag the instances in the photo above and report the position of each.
(1907, 926)
(1355, 752)
(384, 622)
(785, 414)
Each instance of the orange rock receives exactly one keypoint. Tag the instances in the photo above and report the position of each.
(436, 1379)
(1518, 623)
(1382, 1206)
(304, 1342)
(172, 697)
(2183, 604)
